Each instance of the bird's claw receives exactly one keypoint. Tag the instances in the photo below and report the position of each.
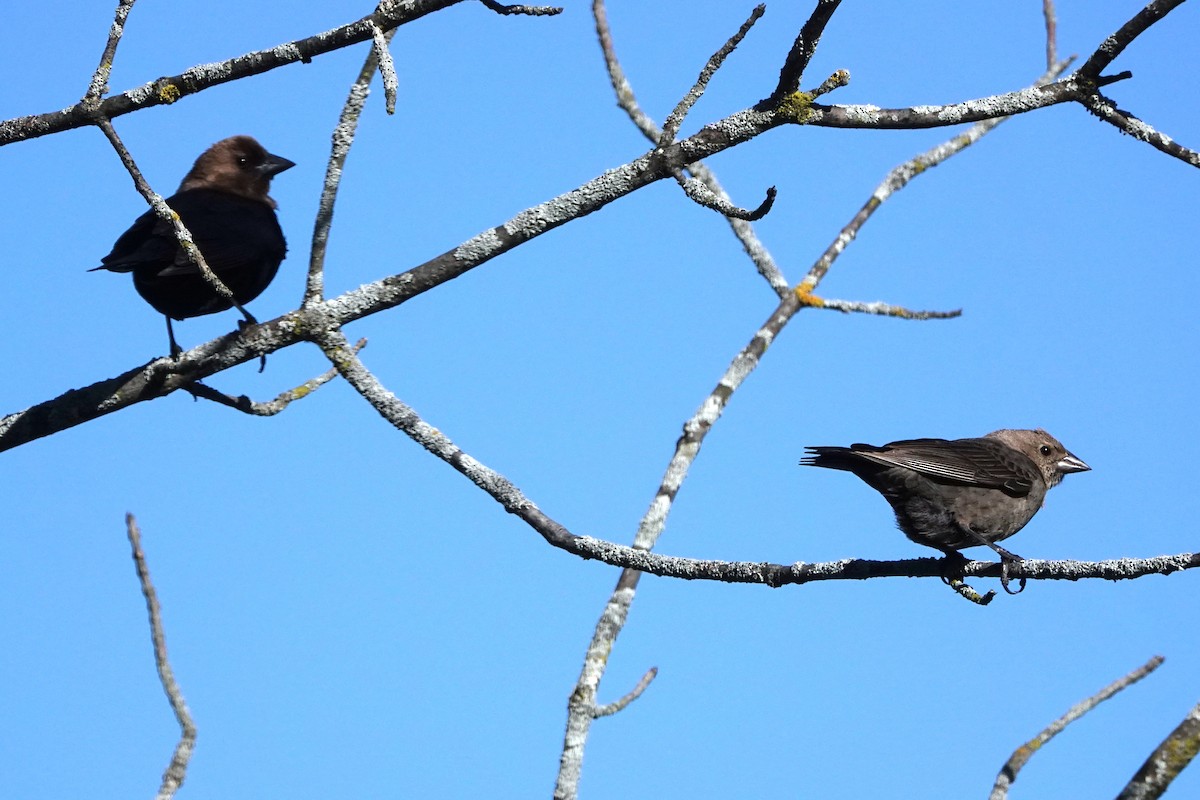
(954, 560)
(1006, 560)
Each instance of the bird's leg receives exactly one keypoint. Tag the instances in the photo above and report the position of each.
(954, 559)
(175, 348)
(249, 318)
(246, 323)
(1007, 558)
(956, 562)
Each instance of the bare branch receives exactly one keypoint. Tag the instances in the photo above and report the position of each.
(798, 108)
(896, 180)
(1167, 761)
(876, 308)
(387, 69)
(271, 408)
(1107, 110)
(624, 91)
(1008, 774)
(1051, 33)
(343, 138)
(177, 770)
(636, 559)
(99, 83)
(698, 192)
(676, 117)
(694, 188)
(634, 694)
(968, 593)
(1114, 45)
(532, 11)
(743, 230)
(167, 90)
(581, 707)
(802, 51)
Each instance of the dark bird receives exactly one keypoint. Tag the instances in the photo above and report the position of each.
(224, 202)
(950, 494)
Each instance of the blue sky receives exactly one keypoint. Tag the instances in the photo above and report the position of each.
(348, 616)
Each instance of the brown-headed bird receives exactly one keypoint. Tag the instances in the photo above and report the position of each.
(958, 493)
(224, 202)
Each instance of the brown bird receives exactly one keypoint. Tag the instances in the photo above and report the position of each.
(958, 493)
(224, 202)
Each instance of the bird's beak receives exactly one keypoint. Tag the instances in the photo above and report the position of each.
(1071, 464)
(273, 165)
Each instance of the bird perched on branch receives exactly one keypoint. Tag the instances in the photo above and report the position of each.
(958, 493)
(224, 202)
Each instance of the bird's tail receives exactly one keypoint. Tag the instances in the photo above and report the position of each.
(828, 457)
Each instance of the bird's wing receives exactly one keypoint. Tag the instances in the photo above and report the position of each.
(971, 462)
(149, 241)
(232, 232)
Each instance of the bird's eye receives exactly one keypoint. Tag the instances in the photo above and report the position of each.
(1044, 449)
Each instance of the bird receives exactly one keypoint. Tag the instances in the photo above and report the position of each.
(952, 494)
(224, 202)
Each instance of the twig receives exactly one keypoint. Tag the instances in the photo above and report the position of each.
(533, 11)
(167, 90)
(616, 75)
(970, 594)
(876, 308)
(1051, 18)
(387, 69)
(634, 693)
(1106, 109)
(270, 408)
(802, 51)
(763, 261)
(1167, 760)
(99, 83)
(582, 704)
(343, 138)
(675, 118)
(177, 770)
(701, 194)
(898, 178)
(1008, 774)
(694, 188)
(1114, 45)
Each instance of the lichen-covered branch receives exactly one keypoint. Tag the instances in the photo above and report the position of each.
(626, 100)
(1167, 761)
(676, 117)
(167, 90)
(1008, 774)
(177, 770)
(343, 138)
(271, 407)
(802, 51)
(99, 83)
